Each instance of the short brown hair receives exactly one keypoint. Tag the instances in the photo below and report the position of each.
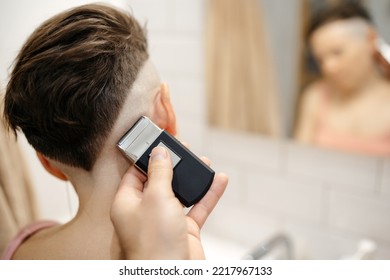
(70, 81)
(342, 11)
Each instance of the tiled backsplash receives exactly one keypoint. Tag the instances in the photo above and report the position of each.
(385, 179)
(325, 201)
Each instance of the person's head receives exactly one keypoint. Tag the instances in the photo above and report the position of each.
(343, 41)
(78, 75)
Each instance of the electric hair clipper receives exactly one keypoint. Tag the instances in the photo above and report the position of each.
(191, 177)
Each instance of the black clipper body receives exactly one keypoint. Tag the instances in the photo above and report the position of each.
(191, 177)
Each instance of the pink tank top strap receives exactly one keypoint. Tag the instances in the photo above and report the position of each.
(25, 233)
(327, 137)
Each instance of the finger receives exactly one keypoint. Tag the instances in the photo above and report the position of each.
(185, 144)
(206, 160)
(130, 190)
(133, 178)
(160, 172)
(205, 206)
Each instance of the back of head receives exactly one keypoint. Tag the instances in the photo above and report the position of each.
(70, 81)
(331, 13)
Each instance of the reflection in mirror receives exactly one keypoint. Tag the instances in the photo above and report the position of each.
(345, 106)
(241, 79)
(330, 90)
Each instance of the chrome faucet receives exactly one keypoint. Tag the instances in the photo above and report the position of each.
(267, 248)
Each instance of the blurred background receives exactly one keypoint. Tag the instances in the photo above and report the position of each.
(236, 71)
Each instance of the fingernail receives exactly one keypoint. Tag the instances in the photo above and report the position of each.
(158, 153)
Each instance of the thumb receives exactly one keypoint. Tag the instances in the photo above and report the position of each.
(160, 171)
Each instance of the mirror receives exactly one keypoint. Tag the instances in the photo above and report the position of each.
(258, 68)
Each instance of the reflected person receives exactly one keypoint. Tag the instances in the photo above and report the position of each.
(347, 107)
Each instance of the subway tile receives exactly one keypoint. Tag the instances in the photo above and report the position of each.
(155, 14)
(188, 96)
(367, 216)
(293, 199)
(333, 167)
(189, 15)
(319, 243)
(383, 252)
(178, 55)
(245, 150)
(308, 241)
(192, 131)
(385, 188)
(237, 187)
(235, 222)
(218, 248)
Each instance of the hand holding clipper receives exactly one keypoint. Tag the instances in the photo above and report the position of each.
(191, 177)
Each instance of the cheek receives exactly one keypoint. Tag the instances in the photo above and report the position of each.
(362, 63)
(355, 62)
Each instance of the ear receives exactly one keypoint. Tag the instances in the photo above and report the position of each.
(50, 168)
(162, 111)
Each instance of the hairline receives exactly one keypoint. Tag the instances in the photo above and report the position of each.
(137, 102)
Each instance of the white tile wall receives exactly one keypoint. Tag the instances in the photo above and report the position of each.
(186, 93)
(245, 150)
(318, 242)
(332, 167)
(189, 15)
(383, 252)
(246, 228)
(385, 180)
(236, 192)
(192, 132)
(300, 200)
(323, 219)
(368, 216)
(180, 56)
(155, 14)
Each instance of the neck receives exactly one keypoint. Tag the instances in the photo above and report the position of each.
(96, 189)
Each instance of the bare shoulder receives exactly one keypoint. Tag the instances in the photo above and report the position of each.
(309, 105)
(312, 96)
(42, 245)
(71, 241)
